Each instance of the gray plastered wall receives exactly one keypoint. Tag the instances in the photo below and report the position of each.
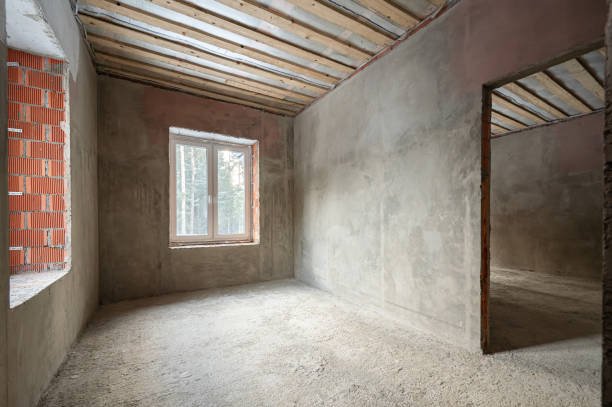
(546, 199)
(388, 165)
(135, 257)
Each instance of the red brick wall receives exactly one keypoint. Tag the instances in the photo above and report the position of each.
(36, 163)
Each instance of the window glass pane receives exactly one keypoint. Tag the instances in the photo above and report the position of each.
(191, 190)
(231, 192)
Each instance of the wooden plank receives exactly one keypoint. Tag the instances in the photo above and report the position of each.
(293, 26)
(560, 92)
(160, 42)
(517, 109)
(534, 100)
(358, 56)
(507, 121)
(584, 77)
(195, 81)
(502, 126)
(438, 3)
(485, 219)
(122, 50)
(396, 15)
(498, 129)
(181, 81)
(106, 44)
(195, 91)
(174, 27)
(355, 26)
(599, 76)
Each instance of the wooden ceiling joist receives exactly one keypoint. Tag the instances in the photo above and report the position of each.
(353, 25)
(138, 67)
(226, 24)
(293, 26)
(110, 46)
(560, 92)
(273, 57)
(396, 15)
(195, 82)
(176, 28)
(516, 109)
(555, 93)
(438, 3)
(196, 91)
(508, 122)
(534, 100)
(112, 29)
(584, 77)
(497, 130)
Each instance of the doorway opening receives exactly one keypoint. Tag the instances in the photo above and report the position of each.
(541, 211)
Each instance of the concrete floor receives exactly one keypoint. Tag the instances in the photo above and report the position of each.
(283, 343)
(531, 309)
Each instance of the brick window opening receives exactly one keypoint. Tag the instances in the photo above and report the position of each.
(37, 170)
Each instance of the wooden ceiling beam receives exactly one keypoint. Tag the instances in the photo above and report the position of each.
(507, 121)
(504, 127)
(516, 109)
(496, 130)
(132, 34)
(396, 15)
(560, 92)
(584, 77)
(196, 91)
(534, 100)
(437, 3)
(106, 44)
(135, 66)
(295, 27)
(224, 23)
(353, 25)
(599, 76)
(270, 60)
(176, 28)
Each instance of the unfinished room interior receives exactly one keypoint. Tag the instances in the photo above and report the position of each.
(305, 203)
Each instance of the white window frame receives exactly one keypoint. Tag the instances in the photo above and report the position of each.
(213, 144)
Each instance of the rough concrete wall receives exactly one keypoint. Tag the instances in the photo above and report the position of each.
(4, 264)
(42, 329)
(546, 199)
(388, 165)
(135, 257)
(606, 380)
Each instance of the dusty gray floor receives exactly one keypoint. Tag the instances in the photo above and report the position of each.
(529, 309)
(286, 344)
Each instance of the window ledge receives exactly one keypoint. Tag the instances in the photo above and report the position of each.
(209, 245)
(27, 285)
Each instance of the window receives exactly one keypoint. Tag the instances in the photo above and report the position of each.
(210, 188)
